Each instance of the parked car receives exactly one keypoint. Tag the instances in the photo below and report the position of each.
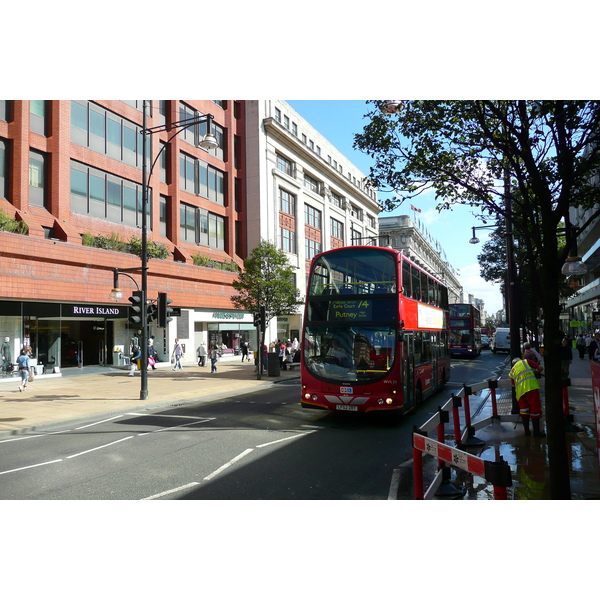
(485, 342)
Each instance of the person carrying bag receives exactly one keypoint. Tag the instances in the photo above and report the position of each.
(23, 364)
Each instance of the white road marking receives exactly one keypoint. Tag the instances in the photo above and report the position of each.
(173, 427)
(32, 466)
(178, 489)
(228, 464)
(285, 439)
(23, 438)
(100, 447)
(99, 422)
(393, 493)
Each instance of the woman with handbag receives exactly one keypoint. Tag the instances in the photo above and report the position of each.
(23, 364)
(151, 355)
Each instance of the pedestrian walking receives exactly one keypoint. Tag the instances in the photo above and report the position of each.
(176, 356)
(527, 389)
(566, 357)
(135, 357)
(580, 344)
(245, 351)
(594, 345)
(23, 365)
(214, 356)
(201, 353)
(151, 355)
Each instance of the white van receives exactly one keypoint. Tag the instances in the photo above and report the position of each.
(501, 340)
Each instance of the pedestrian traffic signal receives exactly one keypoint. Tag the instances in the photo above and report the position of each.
(151, 313)
(164, 311)
(135, 310)
(257, 320)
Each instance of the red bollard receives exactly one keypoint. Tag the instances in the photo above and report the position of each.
(418, 492)
(565, 397)
(500, 493)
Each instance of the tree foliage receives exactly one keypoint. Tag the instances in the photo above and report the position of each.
(549, 153)
(268, 277)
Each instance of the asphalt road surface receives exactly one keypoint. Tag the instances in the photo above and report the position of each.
(259, 446)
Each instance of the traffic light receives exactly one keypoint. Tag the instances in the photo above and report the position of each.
(135, 310)
(152, 313)
(164, 311)
(260, 318)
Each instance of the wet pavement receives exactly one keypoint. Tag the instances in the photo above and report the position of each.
(527, 456)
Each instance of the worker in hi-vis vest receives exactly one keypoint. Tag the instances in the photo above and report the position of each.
(527, 388)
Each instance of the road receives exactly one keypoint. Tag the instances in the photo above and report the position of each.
(256, 446)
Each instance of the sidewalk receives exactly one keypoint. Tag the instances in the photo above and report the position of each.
(81, 393)
(528, 456)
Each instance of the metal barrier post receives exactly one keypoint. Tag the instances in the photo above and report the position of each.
(493, 384)
(418, 491)
(471, 440)
(456, 404)
(569, 425)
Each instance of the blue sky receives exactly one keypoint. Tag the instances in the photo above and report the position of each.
(338, 121)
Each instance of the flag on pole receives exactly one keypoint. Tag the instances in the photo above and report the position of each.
(415, 208)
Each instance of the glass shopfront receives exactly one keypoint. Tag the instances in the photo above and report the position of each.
(62, 335)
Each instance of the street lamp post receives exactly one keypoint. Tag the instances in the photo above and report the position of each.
(208, 142)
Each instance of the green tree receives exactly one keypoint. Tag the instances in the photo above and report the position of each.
(461, 150)
(267, 281)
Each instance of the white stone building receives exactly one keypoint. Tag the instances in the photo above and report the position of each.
(302, 194)
(404, 234)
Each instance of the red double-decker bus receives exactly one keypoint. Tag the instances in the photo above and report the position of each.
(465, 330)
(375, 332)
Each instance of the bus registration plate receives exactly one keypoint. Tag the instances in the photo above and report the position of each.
(346, 390)
(346, 407)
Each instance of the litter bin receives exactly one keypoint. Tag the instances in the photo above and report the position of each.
(273, 364)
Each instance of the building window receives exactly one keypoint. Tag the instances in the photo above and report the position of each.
(285, 166)
(193, 134)
(37, 179)
(6, 110)
(201, 227)
(312, 216)
(107, 133)
(355, 212)
(336, 229)
(287, 202)
(199, 178)
(3, 170)
(336, 200)
(286, 121)
(294, 129)
(163, 208)
(277, 115)
(311, 183)
(163, 162)
(287, 240)
(106, 196)
(311, 248)
(37, 117)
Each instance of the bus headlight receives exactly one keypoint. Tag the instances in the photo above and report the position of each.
(315, 397)
(307, 396)
(388, 400)
(379, 400)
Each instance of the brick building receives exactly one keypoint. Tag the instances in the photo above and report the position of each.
(72, 172)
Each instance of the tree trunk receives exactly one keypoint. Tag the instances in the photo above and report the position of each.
(560, 485)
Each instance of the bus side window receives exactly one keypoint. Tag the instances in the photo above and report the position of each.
(406, 280)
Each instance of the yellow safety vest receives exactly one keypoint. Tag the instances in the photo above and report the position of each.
(524, 377)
